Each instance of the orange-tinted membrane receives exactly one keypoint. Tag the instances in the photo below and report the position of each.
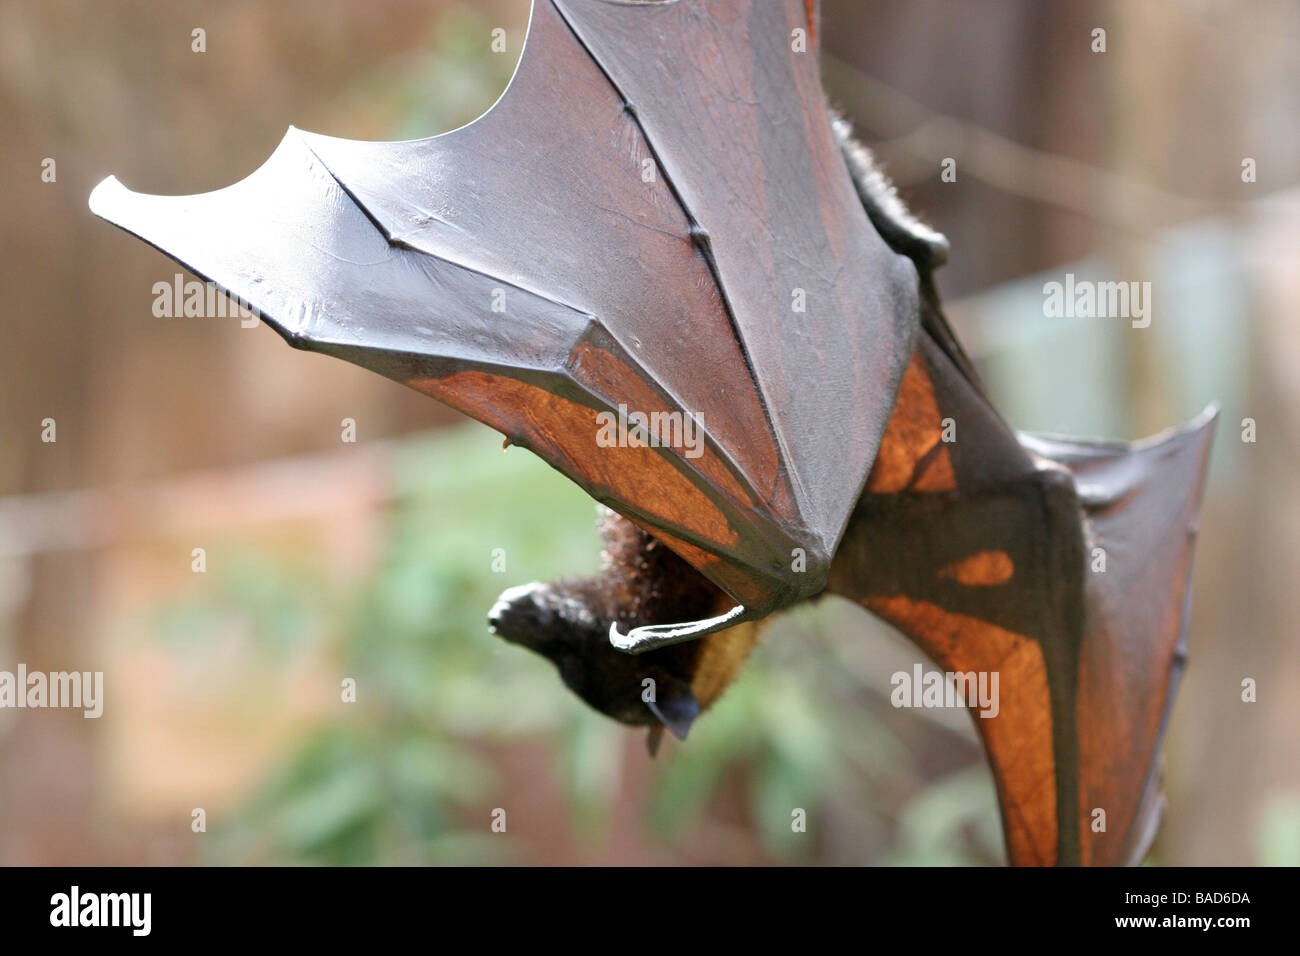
(606, 375)
(981, 569)
(1019, 739)
(936, 473)
(810, 10)
(564, 433)
(914, 429)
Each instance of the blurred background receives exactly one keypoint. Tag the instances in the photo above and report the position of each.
(327, 560)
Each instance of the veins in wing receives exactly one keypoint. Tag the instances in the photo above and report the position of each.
(398, 243)
(637, 222)
(703, 243)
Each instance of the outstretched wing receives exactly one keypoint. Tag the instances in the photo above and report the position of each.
(1140, 503)
(654, 215)
(1060, 566)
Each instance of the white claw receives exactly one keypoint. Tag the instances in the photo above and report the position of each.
(647, 638)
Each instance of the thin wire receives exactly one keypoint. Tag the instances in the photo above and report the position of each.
(1004, 164)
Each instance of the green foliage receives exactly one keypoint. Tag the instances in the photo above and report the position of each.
(1277, 837)
(389, 777)
(401, 776)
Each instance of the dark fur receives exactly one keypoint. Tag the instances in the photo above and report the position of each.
(568, 622)
(903, 232)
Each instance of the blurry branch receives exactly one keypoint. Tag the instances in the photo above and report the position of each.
(914, 155)
(264, 492)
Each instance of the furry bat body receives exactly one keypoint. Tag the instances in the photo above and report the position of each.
(568, 622)
(660, 213)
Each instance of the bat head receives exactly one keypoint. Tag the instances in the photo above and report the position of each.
(568, 622)
(560, 622)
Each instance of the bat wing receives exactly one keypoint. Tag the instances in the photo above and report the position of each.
(655, 215)
(1060, 566)
(1140, 503)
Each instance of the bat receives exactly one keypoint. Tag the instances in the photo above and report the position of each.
(660, 263)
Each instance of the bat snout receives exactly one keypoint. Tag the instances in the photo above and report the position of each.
(518, 616)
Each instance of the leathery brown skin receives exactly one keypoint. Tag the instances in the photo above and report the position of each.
(887, 563)
(643, 581)
(962, 545)
(984, 549)
(974, 545)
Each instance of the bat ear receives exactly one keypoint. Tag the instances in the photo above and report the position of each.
(676, 708)
(653, 738)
